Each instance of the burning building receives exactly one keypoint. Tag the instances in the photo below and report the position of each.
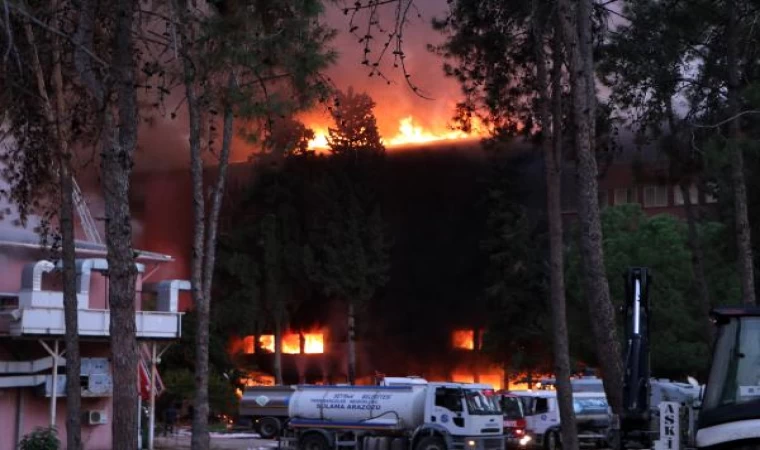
(428, 320)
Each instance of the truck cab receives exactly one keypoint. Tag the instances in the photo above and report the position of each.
(730, 410)
(543, 420)
(513, 411)
(467, 410)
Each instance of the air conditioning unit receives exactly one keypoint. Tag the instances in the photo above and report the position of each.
(96, 417)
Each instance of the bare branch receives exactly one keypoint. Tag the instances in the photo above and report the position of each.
(395, 37)
(723, 122)
(22, 12)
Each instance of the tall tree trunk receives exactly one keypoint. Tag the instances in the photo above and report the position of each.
(200, 436)
(71, 311)
(576, 26)
(68, 258)
(550, 117)
(697, 260)
(217, 195)
(476, 354)
(200, 439)
(56, 118)
(116, 167)
(278, 319)
(505, 377)
(743, 237)
(204, 254)
(351, 344)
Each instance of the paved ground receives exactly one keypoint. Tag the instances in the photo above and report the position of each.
(219, 441)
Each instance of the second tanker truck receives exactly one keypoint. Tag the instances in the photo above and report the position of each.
(418, 416)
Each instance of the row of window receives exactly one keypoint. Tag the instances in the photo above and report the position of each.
(656, 196)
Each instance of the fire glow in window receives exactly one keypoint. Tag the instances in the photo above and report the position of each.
(463, 339)
(292, 343)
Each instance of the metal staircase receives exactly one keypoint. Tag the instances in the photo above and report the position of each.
(88, 223)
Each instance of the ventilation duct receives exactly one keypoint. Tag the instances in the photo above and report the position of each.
(168, 293)
(31, 275)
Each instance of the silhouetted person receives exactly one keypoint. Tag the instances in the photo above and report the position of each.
(170, 419)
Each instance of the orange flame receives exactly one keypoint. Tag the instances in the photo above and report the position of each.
(313, 343)
(409, 133)
(491, 375)
(494, 376)
(256, 378)
(266, 342)
(291, 343)
(463, 339)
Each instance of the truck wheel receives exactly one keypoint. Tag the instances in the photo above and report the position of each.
(430, 443)
(553, 441)
(269, 427)
(314, 441)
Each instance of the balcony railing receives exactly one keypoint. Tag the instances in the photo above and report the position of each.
(41, 321)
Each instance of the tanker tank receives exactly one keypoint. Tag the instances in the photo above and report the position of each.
(386, 406)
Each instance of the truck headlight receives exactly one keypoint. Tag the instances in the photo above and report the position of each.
(471, 443)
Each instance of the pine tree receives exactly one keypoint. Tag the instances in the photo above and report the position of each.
(348, 251)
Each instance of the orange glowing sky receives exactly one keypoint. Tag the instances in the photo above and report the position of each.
(403, 117)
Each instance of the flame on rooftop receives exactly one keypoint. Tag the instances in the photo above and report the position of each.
(409, 133)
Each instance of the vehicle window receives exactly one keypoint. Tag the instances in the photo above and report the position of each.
(479, 402)
(528, 404)
(590, 405)
(449, 398)
(542, 405)
(512, 408)
(735, 372)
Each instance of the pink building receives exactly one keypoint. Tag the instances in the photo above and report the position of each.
(32, 328)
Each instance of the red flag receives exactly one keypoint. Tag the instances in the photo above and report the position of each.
(143, 368)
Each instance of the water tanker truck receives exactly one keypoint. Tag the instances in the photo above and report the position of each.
(416, 416)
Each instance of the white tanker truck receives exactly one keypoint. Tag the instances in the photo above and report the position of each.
(416, 416)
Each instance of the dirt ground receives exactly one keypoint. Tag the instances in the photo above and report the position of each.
(232, 441)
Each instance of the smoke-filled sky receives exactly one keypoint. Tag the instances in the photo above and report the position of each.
(397, 101)
(164, 145)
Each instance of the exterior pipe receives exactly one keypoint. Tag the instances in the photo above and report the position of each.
(152, 417)
(139, 413)
(24, 367)
(54, 394)
(19, 416)
(31, 275)
(22, 381)
(85, 267)
(168, 292)
(55, 353)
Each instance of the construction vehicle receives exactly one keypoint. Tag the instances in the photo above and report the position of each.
(419, 415)
(656, 412)
(730, 410)
(635, 419)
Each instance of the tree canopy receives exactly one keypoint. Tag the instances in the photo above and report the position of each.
(679, 345)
